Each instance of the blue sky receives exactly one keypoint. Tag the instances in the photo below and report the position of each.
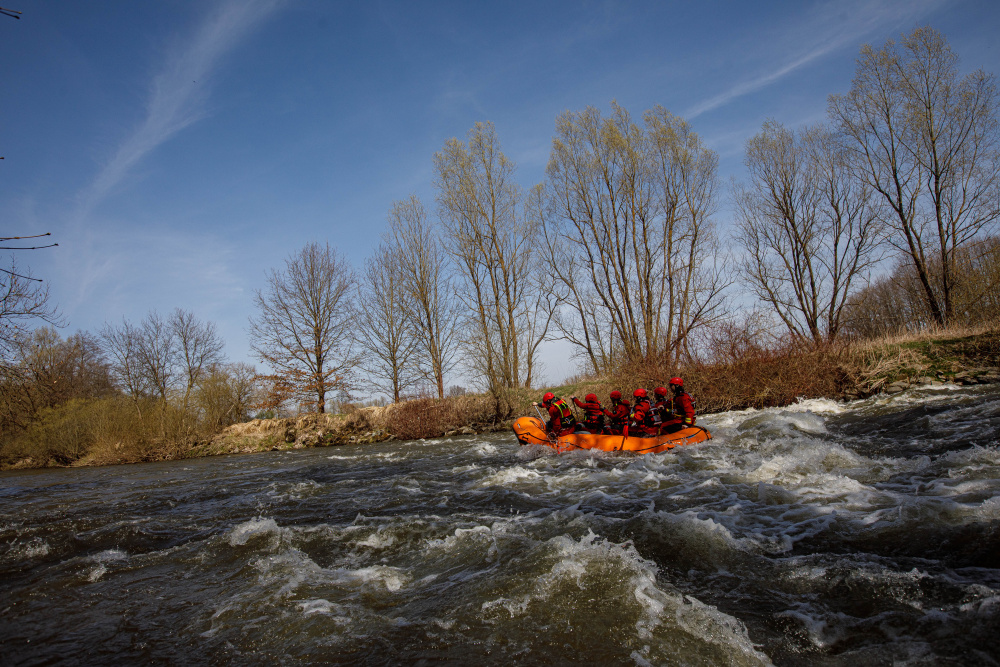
(179, 149)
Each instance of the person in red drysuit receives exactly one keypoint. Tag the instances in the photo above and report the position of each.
(641, 422)
(593, 413)
(661, 407)
(618, 415)
(561, 419)
(682, 409)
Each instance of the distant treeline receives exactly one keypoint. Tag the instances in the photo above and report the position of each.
(133, 392)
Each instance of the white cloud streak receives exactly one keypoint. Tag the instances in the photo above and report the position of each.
(848, 24)
(178, 93)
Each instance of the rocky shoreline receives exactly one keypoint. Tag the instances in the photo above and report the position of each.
(972, 376)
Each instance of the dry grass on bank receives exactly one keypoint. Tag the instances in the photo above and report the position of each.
(432, 417)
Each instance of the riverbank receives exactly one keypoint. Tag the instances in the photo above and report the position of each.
(752, 378)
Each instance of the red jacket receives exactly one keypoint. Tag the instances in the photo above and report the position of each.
(560, 417)
(683, 410)
(592, 411)
(618, 416)
(641, 422)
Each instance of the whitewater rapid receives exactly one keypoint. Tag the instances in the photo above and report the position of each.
(822, 533)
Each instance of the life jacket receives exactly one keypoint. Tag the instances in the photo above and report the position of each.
(643, 419)
(566, 419)
(660, 411)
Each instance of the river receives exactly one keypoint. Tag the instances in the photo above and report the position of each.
(825, 533)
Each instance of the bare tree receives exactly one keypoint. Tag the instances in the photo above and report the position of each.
(494, 244)
(198, 348)
(22, 299)
(686, 181)
(157, 350)
(384, 331)
(426, 283)
(630, 234)
(927, 141)
(121, 344)
(303, 329)
(810, 231)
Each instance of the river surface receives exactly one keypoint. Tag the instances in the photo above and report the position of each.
(826, 533)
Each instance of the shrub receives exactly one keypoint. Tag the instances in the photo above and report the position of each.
(433, 417)
(101, 431)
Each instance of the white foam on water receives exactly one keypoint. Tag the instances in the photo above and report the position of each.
(325, 607)
(581, 563)
(990, 509)
(461, 539)
(532, 452)
(102, 559)
(248, 530)
(824, 406)
(110, 556)
(485, 448)
(380, 539)
(295, 491)
(784, 424)
(33, 548)
(512, 476)
(391, 579)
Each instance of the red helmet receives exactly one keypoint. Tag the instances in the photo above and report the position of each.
(676, 382)
(616, 395)
(640, 393)
(548, 397)
(660, 391)
(592, 398)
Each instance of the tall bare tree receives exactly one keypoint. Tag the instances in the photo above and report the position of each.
(630, 233)
(157, 348)
(198, 349)
(426, 283)
(303, 329)
(122, 346)
(927, 141)
(384, 331)
(494, 245)
(810, 231)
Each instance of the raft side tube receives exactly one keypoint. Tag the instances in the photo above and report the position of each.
(531, 431)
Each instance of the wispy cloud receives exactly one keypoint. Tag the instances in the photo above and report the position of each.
(178, 92)
(836, 26)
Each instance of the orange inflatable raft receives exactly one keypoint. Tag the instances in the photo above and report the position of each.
(531, 431)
